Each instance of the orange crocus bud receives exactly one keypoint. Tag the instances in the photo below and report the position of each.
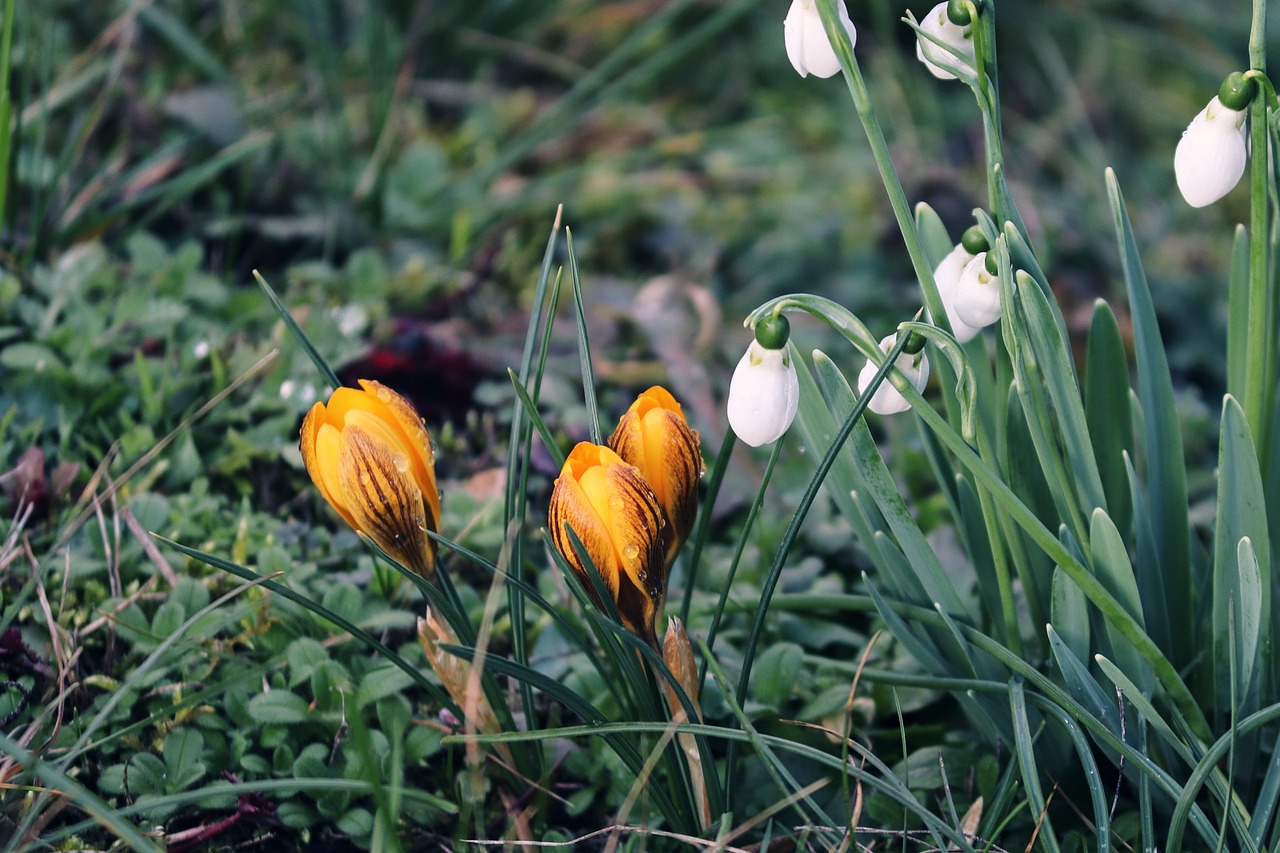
(615, 514)
(654, 436)
(370, 455)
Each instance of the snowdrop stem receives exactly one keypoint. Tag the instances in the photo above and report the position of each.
(1260, 366)
(985, 87)
(884, 163)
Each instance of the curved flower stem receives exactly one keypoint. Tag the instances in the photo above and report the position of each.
(884, 163)
(986, 88)
(1260, 366)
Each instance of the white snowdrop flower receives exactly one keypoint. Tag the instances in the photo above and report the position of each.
(947, 277)
(200, 350)
(808, 47)
(887, 400)
(764, 395)
(976, 298)
(937, 24)
(1211, 155)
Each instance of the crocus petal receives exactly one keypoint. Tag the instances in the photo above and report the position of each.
(947, 278)
(764, 395)
(887, 400)
(1211, 155)
(937, 24)
(383, 499)
(808, 47)
(976, 299)
(654, 436)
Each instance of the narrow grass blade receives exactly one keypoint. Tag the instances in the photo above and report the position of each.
(743, 538)
(1081, 684)
(298, 335)
(1024, 748)
(519, 451)
(1166, 469)
(694, 558)
(1093, 781)
(1264, 809)
(584, 346)
(548, 440)
(187, 44)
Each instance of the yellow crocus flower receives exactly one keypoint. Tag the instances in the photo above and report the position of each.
(616, 515)
(370, 455)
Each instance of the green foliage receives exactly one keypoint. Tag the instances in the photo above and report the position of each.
(1071, 578)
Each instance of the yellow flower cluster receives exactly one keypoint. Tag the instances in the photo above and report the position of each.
(631, 505)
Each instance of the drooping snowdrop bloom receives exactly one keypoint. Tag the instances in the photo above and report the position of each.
(1211, 155)
(947, 277)
(959, 38)
(764, 393)
(808, 47)
(976, 297)
(887, 400)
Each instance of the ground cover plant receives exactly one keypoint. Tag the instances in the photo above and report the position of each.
(357, 494)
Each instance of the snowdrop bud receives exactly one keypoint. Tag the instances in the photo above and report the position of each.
(937, 24)
(808, 47)
(764, 393)
(887, 400)
(1211, 154)
(976, 299)
(947, 277)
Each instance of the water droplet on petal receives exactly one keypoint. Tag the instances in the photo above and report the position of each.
(401, 461)
(615, 504)
(630, 552)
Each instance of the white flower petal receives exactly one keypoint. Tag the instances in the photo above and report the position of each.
(977, 295)
(808, 47)
(764, 395)
(1211, 155)
(947, 277)
(887, 400)
(937, 24)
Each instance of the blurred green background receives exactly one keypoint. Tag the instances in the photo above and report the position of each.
(394, 169)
